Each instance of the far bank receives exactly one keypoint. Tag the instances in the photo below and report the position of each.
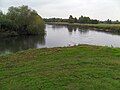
(114, 28)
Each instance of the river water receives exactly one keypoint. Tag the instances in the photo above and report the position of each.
(59, 36)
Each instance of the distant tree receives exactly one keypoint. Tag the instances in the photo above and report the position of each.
(94, 21)
(87, 20)
(75, 20)
(116, 22)
(109, 21)
(81, 19)
(84, 20)
(71, 19)
(1, 13)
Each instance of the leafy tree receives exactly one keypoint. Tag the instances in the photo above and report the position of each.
(71, 19)
(94, 21)
(1, 13)
(84, 19)
(109, 21)
(75, 20)
(22, 20)
(117, 22)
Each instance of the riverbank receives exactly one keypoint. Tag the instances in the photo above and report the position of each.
(99, 27)
(79, 67)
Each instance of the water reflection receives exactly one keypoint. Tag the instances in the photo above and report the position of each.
(60, 36)
(57, 26)
(64, 35)
(72, 29)
(13, 44)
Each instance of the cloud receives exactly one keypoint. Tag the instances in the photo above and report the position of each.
(100, 9)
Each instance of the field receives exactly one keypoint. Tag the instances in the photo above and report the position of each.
(81, 67)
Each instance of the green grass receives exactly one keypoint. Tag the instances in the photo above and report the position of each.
(81, 67)
(103, 27)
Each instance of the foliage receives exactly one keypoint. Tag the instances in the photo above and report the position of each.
(71, 19)
(108, 21)
(81, 20)
(55, 20)
(22, 20)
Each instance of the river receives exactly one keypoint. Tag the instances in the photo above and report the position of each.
(59, 36)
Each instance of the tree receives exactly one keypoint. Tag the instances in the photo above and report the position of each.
(116, 22)
(27, 20)
(1, 14)
(71, 19)
(75, 20)
(94, 21)
(109, 21)
(21, 21)
(84, 20)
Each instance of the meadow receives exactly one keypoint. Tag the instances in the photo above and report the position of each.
(82, 67)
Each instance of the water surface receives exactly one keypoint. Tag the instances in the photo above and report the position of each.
(59, 36)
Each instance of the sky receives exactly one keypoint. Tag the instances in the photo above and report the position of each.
(95, 9)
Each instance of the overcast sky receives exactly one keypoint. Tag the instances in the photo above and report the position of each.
(96, 9)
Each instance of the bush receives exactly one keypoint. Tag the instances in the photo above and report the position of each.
(22, 20)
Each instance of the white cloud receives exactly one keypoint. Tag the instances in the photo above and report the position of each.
(100, 9)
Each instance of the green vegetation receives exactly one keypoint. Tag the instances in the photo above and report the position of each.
(71, 68)
(112, 28)
(21, 21)
(81, 20)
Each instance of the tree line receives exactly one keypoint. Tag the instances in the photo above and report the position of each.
(21, 21)
(81, 20)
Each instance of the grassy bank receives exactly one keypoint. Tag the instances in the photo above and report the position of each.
(72, 68)
(102, 27)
